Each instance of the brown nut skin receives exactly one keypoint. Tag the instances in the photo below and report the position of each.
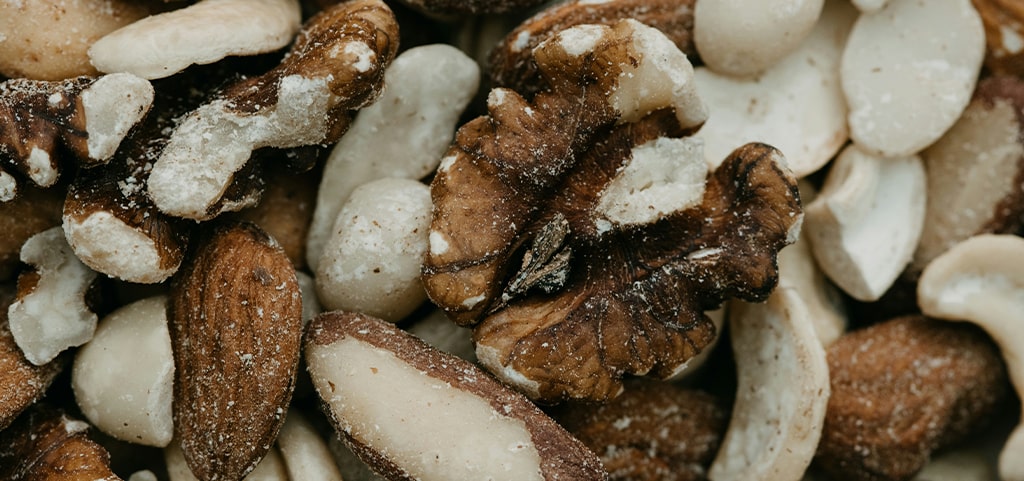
(473, 7)
(654, 431)
(44, 444)
(1004, 29)
(21, 382)
(32, 211)
(902, 389)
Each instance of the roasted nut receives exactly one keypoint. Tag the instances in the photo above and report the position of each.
(1004, 35)
(235, 322)
(162, 45)
(413, 412)
(908, 71)
(32, 211)
(43, 444)
(87, 115)
(902, 389)
(270, 468)
(336, 66)
(585, 255)
(511, 61)
(654, 431)
(21, 382)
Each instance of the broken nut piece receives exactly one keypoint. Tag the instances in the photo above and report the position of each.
(23, 382)
(45, 444)
(1004, 35)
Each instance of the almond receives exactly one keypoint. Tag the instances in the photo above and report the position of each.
(235, 322)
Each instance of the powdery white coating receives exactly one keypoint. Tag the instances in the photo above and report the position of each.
(403, 134)
(797, 105)
(373, 260)
(54, 316)
(581, 39)
(40, 168)
(1013, 43)
(113, 105)
(365, 57)
(310, 303)
(981, 280)
(438, 244)
(8, 187)
(270, 468)
(123, 377)
(908, 72)
(439, 331)
(742, 38)
(213, 142)
(663, 176)
(108, 245)
(304, 452)
(490, 358)
(869, 6)
(162, 45)
(662, 77)
(866, 222)
(782, 391)
(458, 434)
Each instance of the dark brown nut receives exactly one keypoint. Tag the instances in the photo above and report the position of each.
(21, 382)
(584, 255)
(235, 321)
(335, 67)
(474, 7)
(902, 389)
(654, 431)
(87, 115)
(413, 412)
(32, 211)
(1004, 35)
(44, 444)
(511, 62)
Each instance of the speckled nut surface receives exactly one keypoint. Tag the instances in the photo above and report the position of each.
(162, 45)
(23, 382)
(270, 468)
(31, 212)
(44, 444)
(515, 255)
(474, 7)
(335, 66)
(48, 39)
(902, 389)
(742, 38)
(654, 431)
(511, 62)
(908, 72)
(459, 424)
(1004, 35)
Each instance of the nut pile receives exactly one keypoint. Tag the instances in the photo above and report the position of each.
(511, 240)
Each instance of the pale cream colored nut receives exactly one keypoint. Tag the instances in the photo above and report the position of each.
(372, 262)
(352, 469)
(459, 423)
(23, 383)
(335, 66)
(980, 280)
(270, 468)
(444, 335)
(50, 313)
(404, 134)
(123, 377)
(304, 452)
(796, 105)
(44, 444)
(865, 224)
(161, 45)
(976, 171)
(908, 71)
(48, 39)
(32, 211)
(782, 391)
(310, 303)
(1004, 34)
(143, 475)
(742, 38)
(90, 116)
(869, 6)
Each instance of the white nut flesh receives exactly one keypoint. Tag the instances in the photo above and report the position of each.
(53, 316)
(799, 272)
(443, 334)
(865, 224)
(908, 72)
(981, 280)
(372, 262)
(270, 468)
(113, 105)
(781, 395)
(797, 105)
(869, 6)
(162, 45)
(123, 377)
(109, 245)
(310, 303)
(403, 134)
(742, 38)
(304, 452)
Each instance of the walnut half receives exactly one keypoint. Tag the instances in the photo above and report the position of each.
(580, 232)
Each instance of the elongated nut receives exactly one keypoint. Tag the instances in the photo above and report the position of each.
(304, 452)
(782, 391)
(50, 313)
(155, 47)
(866, 221)
(44, 444)
(335, 66)
(123, 378)
(270, 468)
(980, 280)
(21, 382)
(459, 423)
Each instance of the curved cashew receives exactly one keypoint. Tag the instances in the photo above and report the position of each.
(981, 280)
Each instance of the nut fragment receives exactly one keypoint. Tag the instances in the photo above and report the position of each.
(304, 452)
(235, 322)
(1004, 35)
(157, 46)
(980, 280)
(21, 382)
(334, 67)
(44, 444)
(459, 423)
(902, 389)
(31, 212)
(270, 468)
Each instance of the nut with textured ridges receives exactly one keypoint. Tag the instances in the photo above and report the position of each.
(44, 444)
(1004, 35)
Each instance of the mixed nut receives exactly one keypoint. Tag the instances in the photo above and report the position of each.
(466, 239)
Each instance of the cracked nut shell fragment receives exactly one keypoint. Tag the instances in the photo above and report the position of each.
(585, 255)
(235, 322)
